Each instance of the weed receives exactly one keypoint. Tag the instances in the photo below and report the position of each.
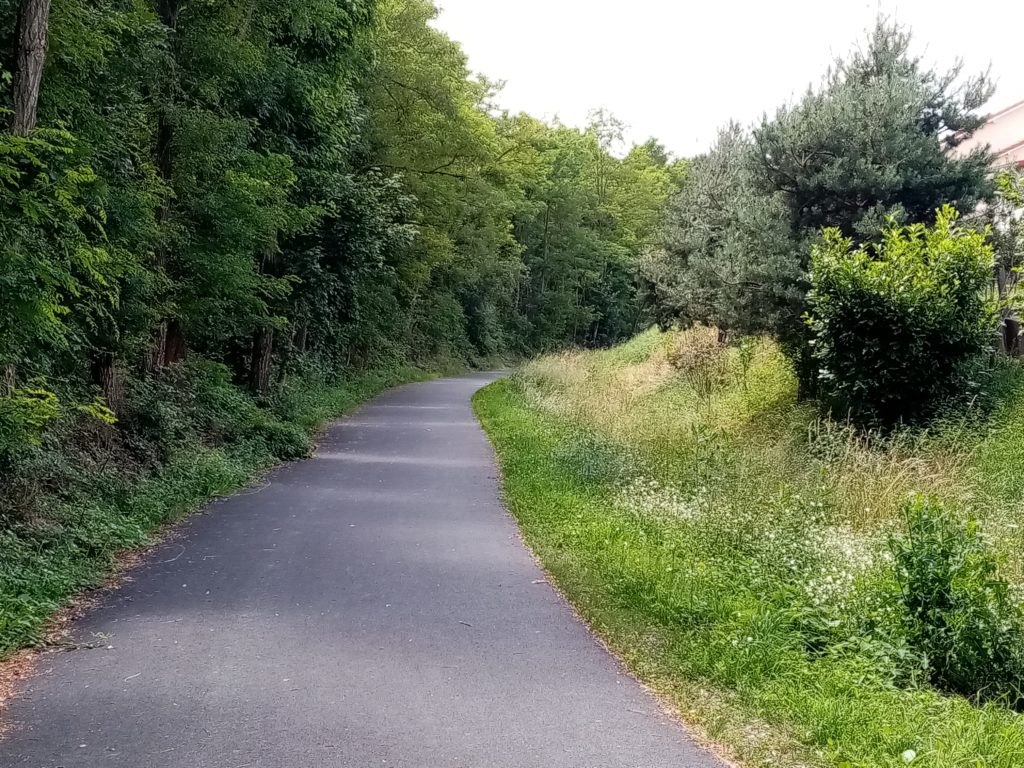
(959, 614)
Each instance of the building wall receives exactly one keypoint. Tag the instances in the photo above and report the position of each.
(1004, 132)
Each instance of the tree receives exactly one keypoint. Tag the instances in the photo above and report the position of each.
(727, 256)
(874, 142)
(588, 219)
(870, 145)
(275, 186)
(430, 124)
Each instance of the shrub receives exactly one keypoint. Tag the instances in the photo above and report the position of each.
(23, 416)
(959, 615)
(899, 327)
(196, 402)
(701, 358)
(282, 439)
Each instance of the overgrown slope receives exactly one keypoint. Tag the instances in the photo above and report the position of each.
(103, 492)
(738, 550)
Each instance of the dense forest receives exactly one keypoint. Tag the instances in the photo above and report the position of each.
(223, 223)
(260, 189)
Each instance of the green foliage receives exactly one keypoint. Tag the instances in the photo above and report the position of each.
(197, 403)
(260, 182)
(28, 418)
(959, 613)
(588, 220)
(1006, 225)
(874, 142)
(744, 555)
(54, 260)
(871, 144)
(231, 208)
(728, 257)
(590, 458)
(24, 415)
(212, 438)
(882, 315)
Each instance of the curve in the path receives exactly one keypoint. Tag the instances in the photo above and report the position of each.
(372, 606)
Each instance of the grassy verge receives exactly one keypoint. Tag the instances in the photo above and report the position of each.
(732, 547)
(212, 440)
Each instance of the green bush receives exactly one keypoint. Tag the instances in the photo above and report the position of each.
(24, 415)
(959, 614)
(900, 326)
(82, 489)
(282, 439)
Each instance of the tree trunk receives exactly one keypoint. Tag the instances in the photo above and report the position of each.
(1011, 335)
(168, 345)
(33, 28)
(807, 373)
(175, 349)
(547, 227)
(262, 355)
(168, 11)
(8, 380)
(410, 319)
(296, 346)
(155, 353)
(105, 373)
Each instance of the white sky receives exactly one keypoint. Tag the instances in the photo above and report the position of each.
(679, 69)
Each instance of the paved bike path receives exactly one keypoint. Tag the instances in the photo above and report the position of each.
(371, 606)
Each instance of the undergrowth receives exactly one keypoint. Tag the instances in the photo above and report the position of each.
(91, 490)
(806, 593)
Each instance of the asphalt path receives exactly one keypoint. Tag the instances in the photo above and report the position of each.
(371, 606)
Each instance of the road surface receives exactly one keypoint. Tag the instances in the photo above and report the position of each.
(372, 606)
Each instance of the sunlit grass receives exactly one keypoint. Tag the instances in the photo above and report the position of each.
(732, 544)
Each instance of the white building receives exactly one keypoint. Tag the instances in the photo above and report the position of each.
(1004, 133)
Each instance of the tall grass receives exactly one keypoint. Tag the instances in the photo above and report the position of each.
(736, 546)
